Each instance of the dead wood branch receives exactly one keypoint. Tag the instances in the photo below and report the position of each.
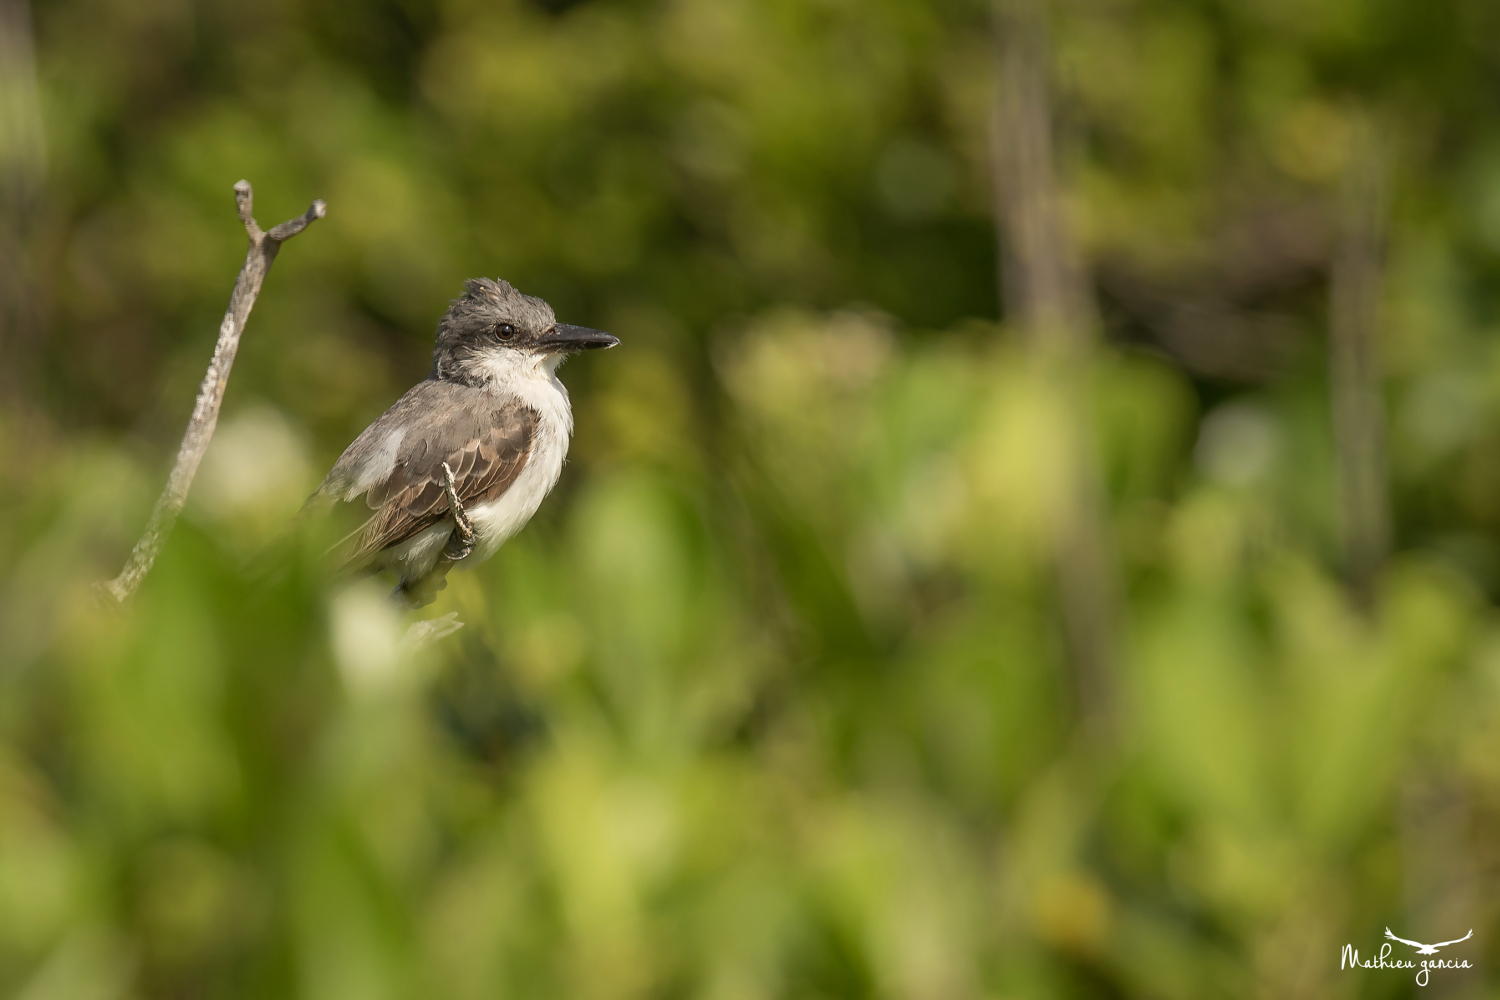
(200, 429)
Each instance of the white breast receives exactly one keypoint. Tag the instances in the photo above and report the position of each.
(496, 521)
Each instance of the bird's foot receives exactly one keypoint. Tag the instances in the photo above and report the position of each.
(461, 541)
(457, 547)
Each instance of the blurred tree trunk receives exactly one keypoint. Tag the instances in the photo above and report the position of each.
(1354, 361)
(1046, 295)
(1044, 288)
(23, 163)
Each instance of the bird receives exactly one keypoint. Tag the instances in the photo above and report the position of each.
(462, 461)
(1428, 949)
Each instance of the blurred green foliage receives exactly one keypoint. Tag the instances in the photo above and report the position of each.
(771, 699)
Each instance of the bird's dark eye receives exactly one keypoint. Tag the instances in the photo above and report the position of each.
(505, 331)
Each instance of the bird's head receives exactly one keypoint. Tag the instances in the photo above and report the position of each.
(492, 329)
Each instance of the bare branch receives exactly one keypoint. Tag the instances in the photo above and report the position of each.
(200, 429)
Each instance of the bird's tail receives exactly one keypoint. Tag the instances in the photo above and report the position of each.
(311, 540)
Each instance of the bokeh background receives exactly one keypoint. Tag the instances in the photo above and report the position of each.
(868, 647)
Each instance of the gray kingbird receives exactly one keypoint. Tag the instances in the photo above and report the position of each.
(488, 427)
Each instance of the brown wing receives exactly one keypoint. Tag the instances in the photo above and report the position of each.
(484, 440)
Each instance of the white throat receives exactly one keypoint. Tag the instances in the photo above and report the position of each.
(532, 378)
(501, 367)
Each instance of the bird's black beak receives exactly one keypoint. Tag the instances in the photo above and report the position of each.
(575, 338)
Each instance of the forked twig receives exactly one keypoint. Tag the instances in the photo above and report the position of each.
(200, 428)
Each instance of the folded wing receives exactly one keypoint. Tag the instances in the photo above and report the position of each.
(396, 465)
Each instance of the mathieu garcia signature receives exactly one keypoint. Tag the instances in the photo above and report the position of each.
(1350, 958)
